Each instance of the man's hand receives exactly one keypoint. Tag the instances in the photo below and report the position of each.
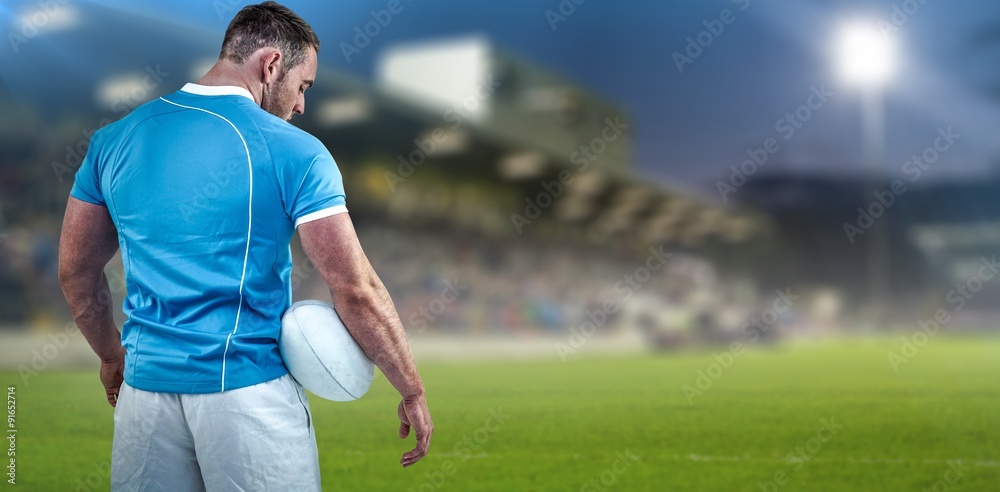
(112, 375)
(413, 412)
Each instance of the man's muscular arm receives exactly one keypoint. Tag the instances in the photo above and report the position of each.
(368, 313)
(89, 240)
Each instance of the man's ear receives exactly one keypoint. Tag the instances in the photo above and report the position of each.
(271, 66)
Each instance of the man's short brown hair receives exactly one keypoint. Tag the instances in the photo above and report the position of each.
(268, 24)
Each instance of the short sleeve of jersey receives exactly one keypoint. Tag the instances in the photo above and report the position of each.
(87, 183)
(315, 190)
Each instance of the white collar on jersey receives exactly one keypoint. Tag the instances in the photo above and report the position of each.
(216, 90)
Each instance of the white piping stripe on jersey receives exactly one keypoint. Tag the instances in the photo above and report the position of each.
(246, 254)
(320, 214)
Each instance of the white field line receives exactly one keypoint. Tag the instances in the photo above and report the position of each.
(866, 461)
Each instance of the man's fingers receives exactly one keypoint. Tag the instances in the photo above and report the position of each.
(412, 457)
(414, 414)
(112, 394)
(423, 445)
(112, 378)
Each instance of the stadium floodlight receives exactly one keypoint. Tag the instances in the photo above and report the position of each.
(865, 56)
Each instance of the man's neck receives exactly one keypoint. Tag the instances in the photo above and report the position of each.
(226, 74)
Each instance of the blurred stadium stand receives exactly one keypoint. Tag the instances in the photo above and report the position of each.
(434, 176)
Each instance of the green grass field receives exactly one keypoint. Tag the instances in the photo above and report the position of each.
(563, 426)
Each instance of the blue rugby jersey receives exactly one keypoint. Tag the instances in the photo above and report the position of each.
(206, 190)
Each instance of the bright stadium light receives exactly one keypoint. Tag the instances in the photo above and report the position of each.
(865, 56)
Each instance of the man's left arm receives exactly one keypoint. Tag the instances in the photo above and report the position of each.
(89, 240)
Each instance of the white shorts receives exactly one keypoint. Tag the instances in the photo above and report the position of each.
(255, 438)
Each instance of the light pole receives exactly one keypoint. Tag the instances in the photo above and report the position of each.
(866, 59)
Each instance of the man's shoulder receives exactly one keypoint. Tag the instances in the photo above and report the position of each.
(287, 139)
(138, 115)
(113, 130)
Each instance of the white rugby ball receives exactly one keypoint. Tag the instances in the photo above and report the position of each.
(321, 354)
